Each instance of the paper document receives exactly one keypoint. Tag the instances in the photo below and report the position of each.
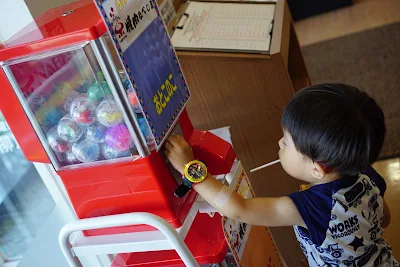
(225, 26)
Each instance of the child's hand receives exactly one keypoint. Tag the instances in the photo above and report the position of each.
(178, 152)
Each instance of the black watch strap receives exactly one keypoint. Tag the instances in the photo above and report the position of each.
(183, 188)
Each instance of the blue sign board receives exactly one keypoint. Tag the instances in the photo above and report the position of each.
(150, 61)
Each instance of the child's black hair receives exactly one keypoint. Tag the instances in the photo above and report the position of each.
(336, 125)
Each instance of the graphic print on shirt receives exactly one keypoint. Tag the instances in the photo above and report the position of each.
(372, 205)
(300, 231)
(333, 249)
(363, 259)
(353, 231)
(374, 231)
(357, 242)
(354, 195)
(383, 257)
(330, 262)
(327, 262)
(345, 207)
(345, 228)
(303, 248)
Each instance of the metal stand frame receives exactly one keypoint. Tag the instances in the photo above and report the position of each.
(171, 234)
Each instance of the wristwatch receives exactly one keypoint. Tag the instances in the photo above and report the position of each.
(194, 172)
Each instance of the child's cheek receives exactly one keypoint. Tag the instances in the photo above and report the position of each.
(284, 163)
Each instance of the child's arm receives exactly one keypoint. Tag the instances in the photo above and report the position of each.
(279, 211)
(387, 216)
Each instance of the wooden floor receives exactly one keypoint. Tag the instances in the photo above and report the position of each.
(363, 15)
(390, 170)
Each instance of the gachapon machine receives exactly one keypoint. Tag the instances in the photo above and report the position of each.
(71, 101)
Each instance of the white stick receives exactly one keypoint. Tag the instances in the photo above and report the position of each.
(265, 165)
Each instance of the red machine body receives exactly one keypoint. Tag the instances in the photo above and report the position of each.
(142, 184)
(53, 29)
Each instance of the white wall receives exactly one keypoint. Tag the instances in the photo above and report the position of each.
(14, 15)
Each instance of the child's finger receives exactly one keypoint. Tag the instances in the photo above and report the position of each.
(173, 140)
(168, 146)
(180, 139)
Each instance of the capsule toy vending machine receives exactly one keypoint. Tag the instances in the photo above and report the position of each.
(94, 89)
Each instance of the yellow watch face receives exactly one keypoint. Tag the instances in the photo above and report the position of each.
(195, 171)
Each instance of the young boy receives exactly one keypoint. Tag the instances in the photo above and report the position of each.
(332, 133)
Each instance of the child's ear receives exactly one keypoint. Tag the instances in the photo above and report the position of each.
(319, 171)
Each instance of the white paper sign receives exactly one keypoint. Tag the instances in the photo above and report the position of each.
(237, 233)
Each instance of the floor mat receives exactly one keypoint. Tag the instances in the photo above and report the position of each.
(369, 60)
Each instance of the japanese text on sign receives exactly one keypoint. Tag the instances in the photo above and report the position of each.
(131, 23)
(132, 20)
(162, 97)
